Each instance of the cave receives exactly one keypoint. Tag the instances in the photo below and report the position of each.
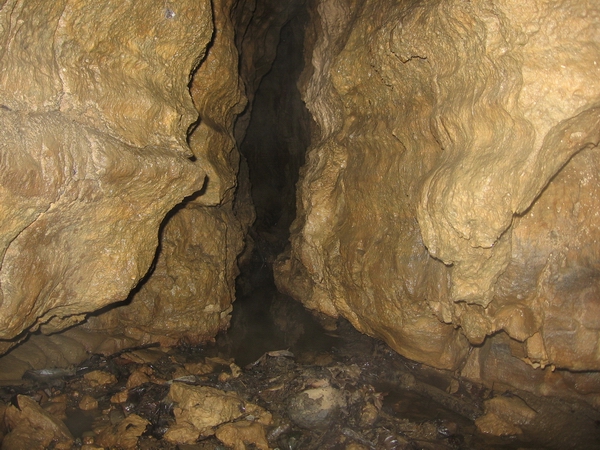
(387, 209)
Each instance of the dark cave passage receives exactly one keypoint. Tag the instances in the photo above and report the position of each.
(277, 138)
(273, 150)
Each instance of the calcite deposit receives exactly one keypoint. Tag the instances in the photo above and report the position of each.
(188, 294)
(449, 203)
(113, 114)
(95, 109)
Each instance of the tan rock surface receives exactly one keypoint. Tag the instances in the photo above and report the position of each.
(32, 427)
(237, 434)
(95, 112)
(503, 415)
(451, 188)
(204, 407)
(123, 435)
(189, 293)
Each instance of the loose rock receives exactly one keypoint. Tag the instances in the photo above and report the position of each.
(315, 408)
(238, 434)
(32, 427)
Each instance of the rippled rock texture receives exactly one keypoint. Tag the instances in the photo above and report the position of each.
(95, 112)
(189, 291)
(449, 203)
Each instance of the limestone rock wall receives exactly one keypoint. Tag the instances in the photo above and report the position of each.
(94, 111)
(189, 291)
(449, 201)
(105, 132)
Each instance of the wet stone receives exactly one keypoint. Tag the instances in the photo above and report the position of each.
(361, 396)
(316, 408)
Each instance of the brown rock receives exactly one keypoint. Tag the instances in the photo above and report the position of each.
(95, 112)
(33, 428)
(512, 409)
(144, 356)
(188, 296)
(72, 351)
(199, 368)
(120, 397)
(53, 352)
(236, 435)
(447, 206)
(125, 434)
(139, 377)
(23, 438)
(368, 415)
(494, 425)
(204, 407)
(88, 403)
(57, 406)
(450, 191)
(258, 414)
(12, 368)
(182, 434)
(99, 378)
(32, 355)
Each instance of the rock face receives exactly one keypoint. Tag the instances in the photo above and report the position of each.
(189, 292)
(95, 112)
(449, 202)
(105, 131)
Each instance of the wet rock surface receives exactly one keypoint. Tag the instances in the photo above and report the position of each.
(350, 392)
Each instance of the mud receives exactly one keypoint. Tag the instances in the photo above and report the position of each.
(309, 388)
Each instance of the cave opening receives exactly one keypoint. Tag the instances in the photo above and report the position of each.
(274, 144)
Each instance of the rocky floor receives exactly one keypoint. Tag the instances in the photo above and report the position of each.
(287, 384)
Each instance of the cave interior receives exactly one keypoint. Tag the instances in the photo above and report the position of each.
(465, 402)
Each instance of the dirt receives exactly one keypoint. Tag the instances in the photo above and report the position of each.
(308, 389)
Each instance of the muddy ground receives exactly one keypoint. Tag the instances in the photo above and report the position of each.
(285, 383)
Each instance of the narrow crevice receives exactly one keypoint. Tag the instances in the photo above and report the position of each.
(273, 150)
(274, 147)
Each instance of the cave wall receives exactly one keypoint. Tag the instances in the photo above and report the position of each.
(188, 294)
(449, 200)
(95, 111)
(114, 115)
(447, 205)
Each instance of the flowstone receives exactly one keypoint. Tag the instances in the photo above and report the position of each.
(449, 201)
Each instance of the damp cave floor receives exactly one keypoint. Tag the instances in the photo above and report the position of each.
(387, 401)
